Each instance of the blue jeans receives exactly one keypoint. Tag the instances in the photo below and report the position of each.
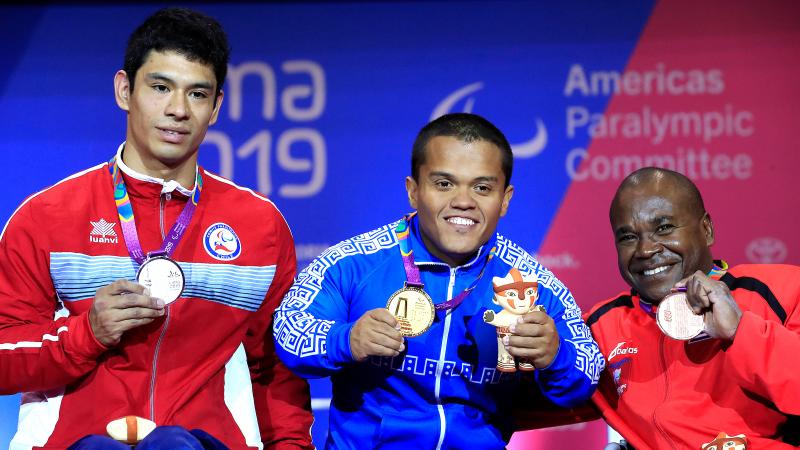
(162, 438)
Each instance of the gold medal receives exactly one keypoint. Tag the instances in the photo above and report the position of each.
(676, 318)
(413, 309)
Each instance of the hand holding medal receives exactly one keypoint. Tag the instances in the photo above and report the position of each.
(376, 333)
(119, 307)
(706, 303)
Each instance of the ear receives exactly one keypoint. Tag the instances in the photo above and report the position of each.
(411, 189)
(708, 229)
(122, 90)
(506, 200)
(494, 300)
(217, 107)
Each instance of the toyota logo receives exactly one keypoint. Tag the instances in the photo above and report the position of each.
(766, 250)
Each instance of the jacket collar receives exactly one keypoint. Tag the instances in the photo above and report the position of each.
(422, 256)
(148, 183)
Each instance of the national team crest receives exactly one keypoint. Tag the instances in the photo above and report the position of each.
(221, 242)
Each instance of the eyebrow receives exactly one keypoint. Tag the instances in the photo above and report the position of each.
(161, 77)
(660, 219)
(653, 221)
(436, 173)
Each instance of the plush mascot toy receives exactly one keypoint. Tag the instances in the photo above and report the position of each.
(517, 295)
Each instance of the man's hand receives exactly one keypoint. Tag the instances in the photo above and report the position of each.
(534, 337)
(119, 307)
(376, 334)
(714, 301)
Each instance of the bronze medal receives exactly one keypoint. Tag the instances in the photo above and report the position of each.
(676, 318)
(413, 309)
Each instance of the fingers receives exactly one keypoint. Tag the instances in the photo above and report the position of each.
(137, 313)
(131, 300)
(536, 317)
(534, 337)
(382, 345)
(376, 334)
(384, 316)
(701, 291)
(122, 287)
(121, 306)
(532, 330)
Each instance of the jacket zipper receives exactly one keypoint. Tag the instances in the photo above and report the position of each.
(440, 363)
(162, 204)
(666, 391)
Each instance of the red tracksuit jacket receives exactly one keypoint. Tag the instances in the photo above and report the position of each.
(208, 363)
(663, 393)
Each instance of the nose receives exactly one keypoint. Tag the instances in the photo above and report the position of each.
(178, 107)
(463, 199)
(646, 247)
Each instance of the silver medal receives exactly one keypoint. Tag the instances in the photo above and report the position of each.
(163, 277)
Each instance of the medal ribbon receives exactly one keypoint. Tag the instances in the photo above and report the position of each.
(125, 212)
(413, 276)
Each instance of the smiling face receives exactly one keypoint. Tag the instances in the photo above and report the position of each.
(661, 236)
(459, 197)
(169, 111)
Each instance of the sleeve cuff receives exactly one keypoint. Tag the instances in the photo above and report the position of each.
(82, 342)
(564, 360)
(338, 344)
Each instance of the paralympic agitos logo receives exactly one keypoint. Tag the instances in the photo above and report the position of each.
(526, 149)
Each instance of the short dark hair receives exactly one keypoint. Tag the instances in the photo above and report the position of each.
(465, 127)
(649, 174)
(190, 33)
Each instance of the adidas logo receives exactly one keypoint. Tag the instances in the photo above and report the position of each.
(103, 232)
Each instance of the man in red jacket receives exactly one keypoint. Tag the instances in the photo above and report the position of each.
(140, 292)
(737, 377)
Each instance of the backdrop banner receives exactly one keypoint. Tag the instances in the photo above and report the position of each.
(323, 101)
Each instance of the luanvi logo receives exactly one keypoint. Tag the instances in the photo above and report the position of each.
(103, 232)
(526, 149)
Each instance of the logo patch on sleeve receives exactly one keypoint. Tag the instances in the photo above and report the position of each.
(221, 242)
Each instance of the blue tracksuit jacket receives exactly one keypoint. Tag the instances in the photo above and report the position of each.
(444, 391)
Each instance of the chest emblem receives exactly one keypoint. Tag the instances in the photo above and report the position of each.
(103, 232)
(221, 242)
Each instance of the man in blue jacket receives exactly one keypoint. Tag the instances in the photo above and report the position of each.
(397, 317)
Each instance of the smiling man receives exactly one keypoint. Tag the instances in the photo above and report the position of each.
(139, 293)
(737, 376)
(395, 315)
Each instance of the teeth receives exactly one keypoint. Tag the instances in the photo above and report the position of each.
(461, 221)
(655, 271)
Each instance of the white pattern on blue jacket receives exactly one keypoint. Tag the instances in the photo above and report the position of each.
(444, 391)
